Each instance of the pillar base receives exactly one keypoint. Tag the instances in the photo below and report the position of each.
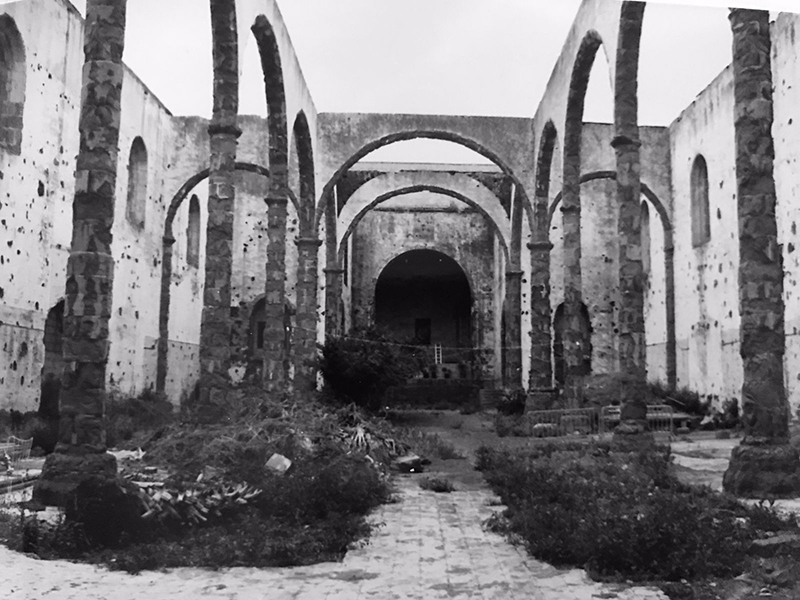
(541, 399)
(763, 468)
(62, 473)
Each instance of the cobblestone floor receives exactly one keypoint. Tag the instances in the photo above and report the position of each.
(429, 546)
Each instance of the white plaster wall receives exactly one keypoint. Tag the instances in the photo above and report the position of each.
(133, 328)
(36, 192)
(786, 75)
(706, 278)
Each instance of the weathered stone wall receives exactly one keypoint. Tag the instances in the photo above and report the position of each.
(600, 250)
(37, 189)
(463, 234)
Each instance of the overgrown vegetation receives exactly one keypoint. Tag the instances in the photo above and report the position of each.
(620, 514)
(360, 368)
(205, 496)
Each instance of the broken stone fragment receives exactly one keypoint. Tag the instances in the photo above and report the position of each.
(411, 463)
(278, 463)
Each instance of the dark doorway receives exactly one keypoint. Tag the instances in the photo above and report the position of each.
(559, 325)
(423, 297)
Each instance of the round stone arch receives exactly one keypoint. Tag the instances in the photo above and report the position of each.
(327, 204)
(166, 263)
(327, 196)
(413, 190)
(276, 103)
(306, 194)
(456, 185)
(669, 267)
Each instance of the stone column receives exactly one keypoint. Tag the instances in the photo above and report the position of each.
(223, 132)
(275, 358)
(540, 386)
(162, 361)
(573, 284)
(334, 279)
(305, 334)
(512, 340)
(764, 464)
(672, 347)
(81, 449)
(632, 352)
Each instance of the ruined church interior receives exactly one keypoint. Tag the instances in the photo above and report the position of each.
(180, 255)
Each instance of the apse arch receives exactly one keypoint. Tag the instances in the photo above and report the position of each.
(425, 297)
(413, 190)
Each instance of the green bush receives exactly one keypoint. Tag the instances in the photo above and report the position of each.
(619, 513)
(361, 368)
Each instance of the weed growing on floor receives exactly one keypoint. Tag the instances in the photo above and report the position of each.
(430, 445)
(620, 514)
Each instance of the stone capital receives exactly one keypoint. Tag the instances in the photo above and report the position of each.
(541, 246)
(308, 242)
(514, 274)
(224, 128)
(621, 141)
(276, 201)
(169, 240)
(333, 271)
(571, 209)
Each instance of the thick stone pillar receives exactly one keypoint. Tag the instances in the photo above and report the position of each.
(672, 345)
(275, 359)
(162, 363)
(573, 283)
(764, 464)
(512, 341)
(223, 132)
(305, 334)
(81, 449)
(630, 306)
(540, 385)
(334, 280)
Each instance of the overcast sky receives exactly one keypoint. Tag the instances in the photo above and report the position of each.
(485, 57)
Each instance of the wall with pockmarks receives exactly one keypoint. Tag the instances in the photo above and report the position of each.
(706, 276)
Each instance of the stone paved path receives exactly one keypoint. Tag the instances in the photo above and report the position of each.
(430, 546)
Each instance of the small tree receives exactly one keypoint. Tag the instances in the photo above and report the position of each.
(361, 367)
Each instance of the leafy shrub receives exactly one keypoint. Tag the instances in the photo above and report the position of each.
(430, 445)
(682, 399)
(361, 368)
(619, 513)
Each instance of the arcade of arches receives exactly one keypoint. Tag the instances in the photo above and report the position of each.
(280, 231)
